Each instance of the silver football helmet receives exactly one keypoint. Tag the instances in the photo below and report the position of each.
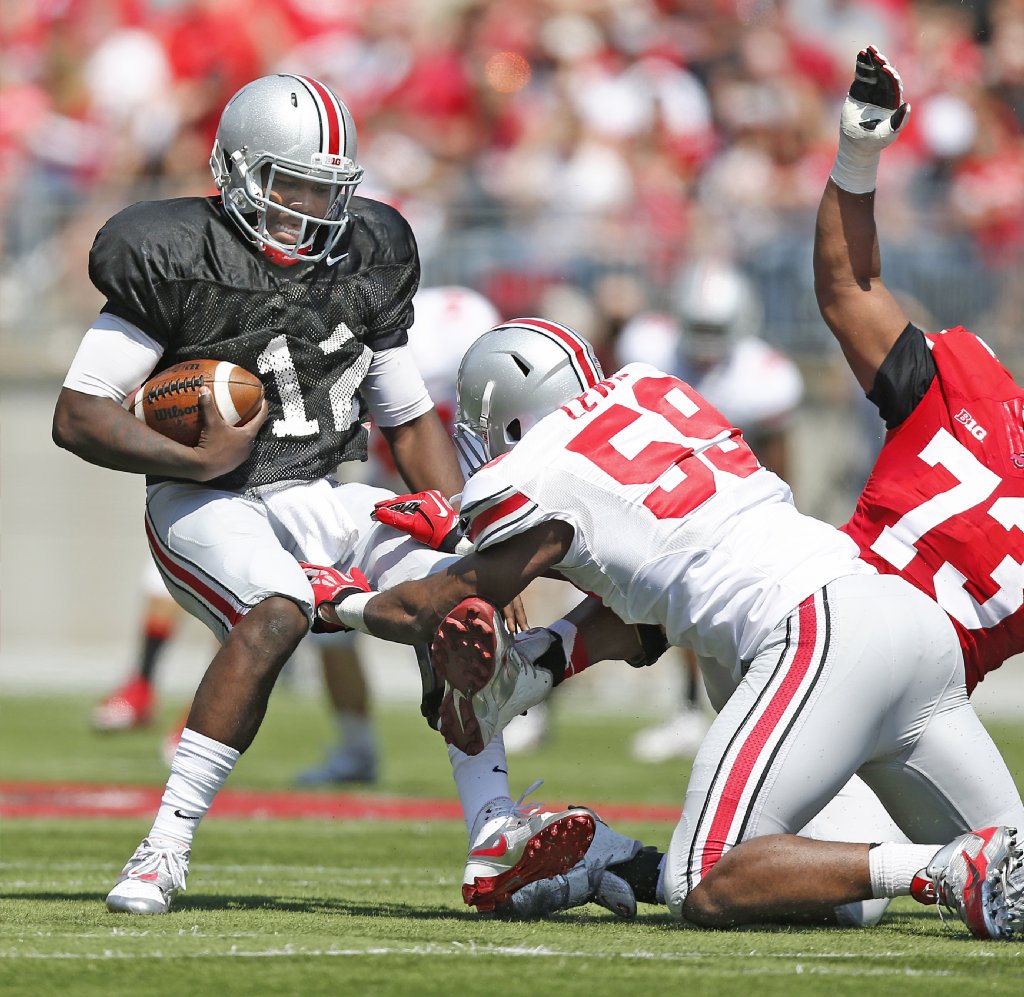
(717, 306)
(517, 373)
(284, 159)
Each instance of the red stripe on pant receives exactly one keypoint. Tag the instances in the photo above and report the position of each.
(198, 588)
(739, 775)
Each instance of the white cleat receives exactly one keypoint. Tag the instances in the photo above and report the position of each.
(980, 878)
(342, 765)
(488, 682)
(522, 845)
(589, 881)
(150, 879)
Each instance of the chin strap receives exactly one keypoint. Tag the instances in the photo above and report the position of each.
(281, 259)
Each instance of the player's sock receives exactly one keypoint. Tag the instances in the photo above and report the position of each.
(481, 782)
(643, 873)
(198, 770)
(156, 635)
(356, 732)
(692, 690)
(568, 656)
(893, 866)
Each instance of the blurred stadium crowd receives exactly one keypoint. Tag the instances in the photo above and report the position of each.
(564, 157)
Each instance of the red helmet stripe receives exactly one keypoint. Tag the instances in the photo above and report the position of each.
(585, 361)
(330, 117)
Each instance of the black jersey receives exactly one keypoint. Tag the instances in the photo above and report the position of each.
(180, 270)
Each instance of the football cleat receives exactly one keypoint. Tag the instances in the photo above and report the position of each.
(344, 764)
(980, 878)
(589, 881)
(150, 879)
(488, 681)
(522, 845)
(126, 708)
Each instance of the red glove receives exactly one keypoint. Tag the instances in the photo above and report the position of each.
(330, 586)
(426, 516)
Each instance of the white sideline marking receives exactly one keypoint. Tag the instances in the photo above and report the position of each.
(539, 952)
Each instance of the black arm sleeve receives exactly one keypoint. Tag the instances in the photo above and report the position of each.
(903, 378)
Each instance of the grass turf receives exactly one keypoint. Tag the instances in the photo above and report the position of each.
(309, 907)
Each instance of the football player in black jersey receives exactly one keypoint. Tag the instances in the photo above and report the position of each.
(290, 276)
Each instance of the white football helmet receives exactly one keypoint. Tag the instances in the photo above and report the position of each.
(517, 373)
(717, 306)
(287, 133)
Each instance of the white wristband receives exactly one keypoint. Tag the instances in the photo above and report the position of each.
(350, 610)
(856, 168)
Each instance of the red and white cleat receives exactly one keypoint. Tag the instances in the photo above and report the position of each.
(522, 846)
(126, 708)
(488, 681)
(980, 878)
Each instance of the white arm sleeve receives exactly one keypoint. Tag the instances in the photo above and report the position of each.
(394, 389)
(115, 357)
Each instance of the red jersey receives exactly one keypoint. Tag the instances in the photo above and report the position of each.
(944, 504)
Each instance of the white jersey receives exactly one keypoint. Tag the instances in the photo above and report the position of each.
(754, 384)
(448, 320)
(675, 521)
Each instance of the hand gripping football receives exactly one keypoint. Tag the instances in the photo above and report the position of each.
(169, 401)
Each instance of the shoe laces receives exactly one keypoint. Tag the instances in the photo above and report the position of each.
(171, 862)
(526, 810)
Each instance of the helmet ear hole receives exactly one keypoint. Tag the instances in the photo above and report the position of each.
(514, 430)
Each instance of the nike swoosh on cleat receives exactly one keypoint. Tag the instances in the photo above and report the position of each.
(495, 851)
(178, 813)
(148, 876)
(974, 876)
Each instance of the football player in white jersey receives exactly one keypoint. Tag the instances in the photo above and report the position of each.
(638, 491)
(712, 340)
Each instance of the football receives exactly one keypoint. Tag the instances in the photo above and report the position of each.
(169, 401)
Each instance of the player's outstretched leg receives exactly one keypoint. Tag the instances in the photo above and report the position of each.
(488, 681)
(522, 845)
(979, 877)
(150, 879)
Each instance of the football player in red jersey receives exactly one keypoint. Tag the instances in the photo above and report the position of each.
(943, 506)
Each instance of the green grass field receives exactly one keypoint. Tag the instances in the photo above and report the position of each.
(329, 906)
